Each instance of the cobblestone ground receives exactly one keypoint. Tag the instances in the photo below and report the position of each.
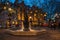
(50, 35)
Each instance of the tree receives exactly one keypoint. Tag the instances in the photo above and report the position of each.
(49, 7)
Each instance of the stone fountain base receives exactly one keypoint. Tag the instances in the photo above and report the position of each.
(35, 32)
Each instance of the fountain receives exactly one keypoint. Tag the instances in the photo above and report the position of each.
(26, 28)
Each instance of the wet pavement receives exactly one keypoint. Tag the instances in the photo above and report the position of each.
(50, 35)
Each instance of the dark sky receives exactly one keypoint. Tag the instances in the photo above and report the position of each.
(49, 6)
(42, 3)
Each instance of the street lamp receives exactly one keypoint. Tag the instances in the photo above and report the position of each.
(5, 8)
(45, 15)
(10, 9)
(13, 22)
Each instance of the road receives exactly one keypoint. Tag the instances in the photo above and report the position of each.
(50, 35)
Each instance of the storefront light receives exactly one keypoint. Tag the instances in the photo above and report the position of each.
(41, 14)
(8, 22)
(30, 17)
(36, 11)
(31, 12)
(16, 23)
(34, 14)
(13, 22)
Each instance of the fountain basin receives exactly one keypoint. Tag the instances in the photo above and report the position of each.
(31, 33)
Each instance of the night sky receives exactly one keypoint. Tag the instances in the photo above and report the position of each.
(49, 6)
